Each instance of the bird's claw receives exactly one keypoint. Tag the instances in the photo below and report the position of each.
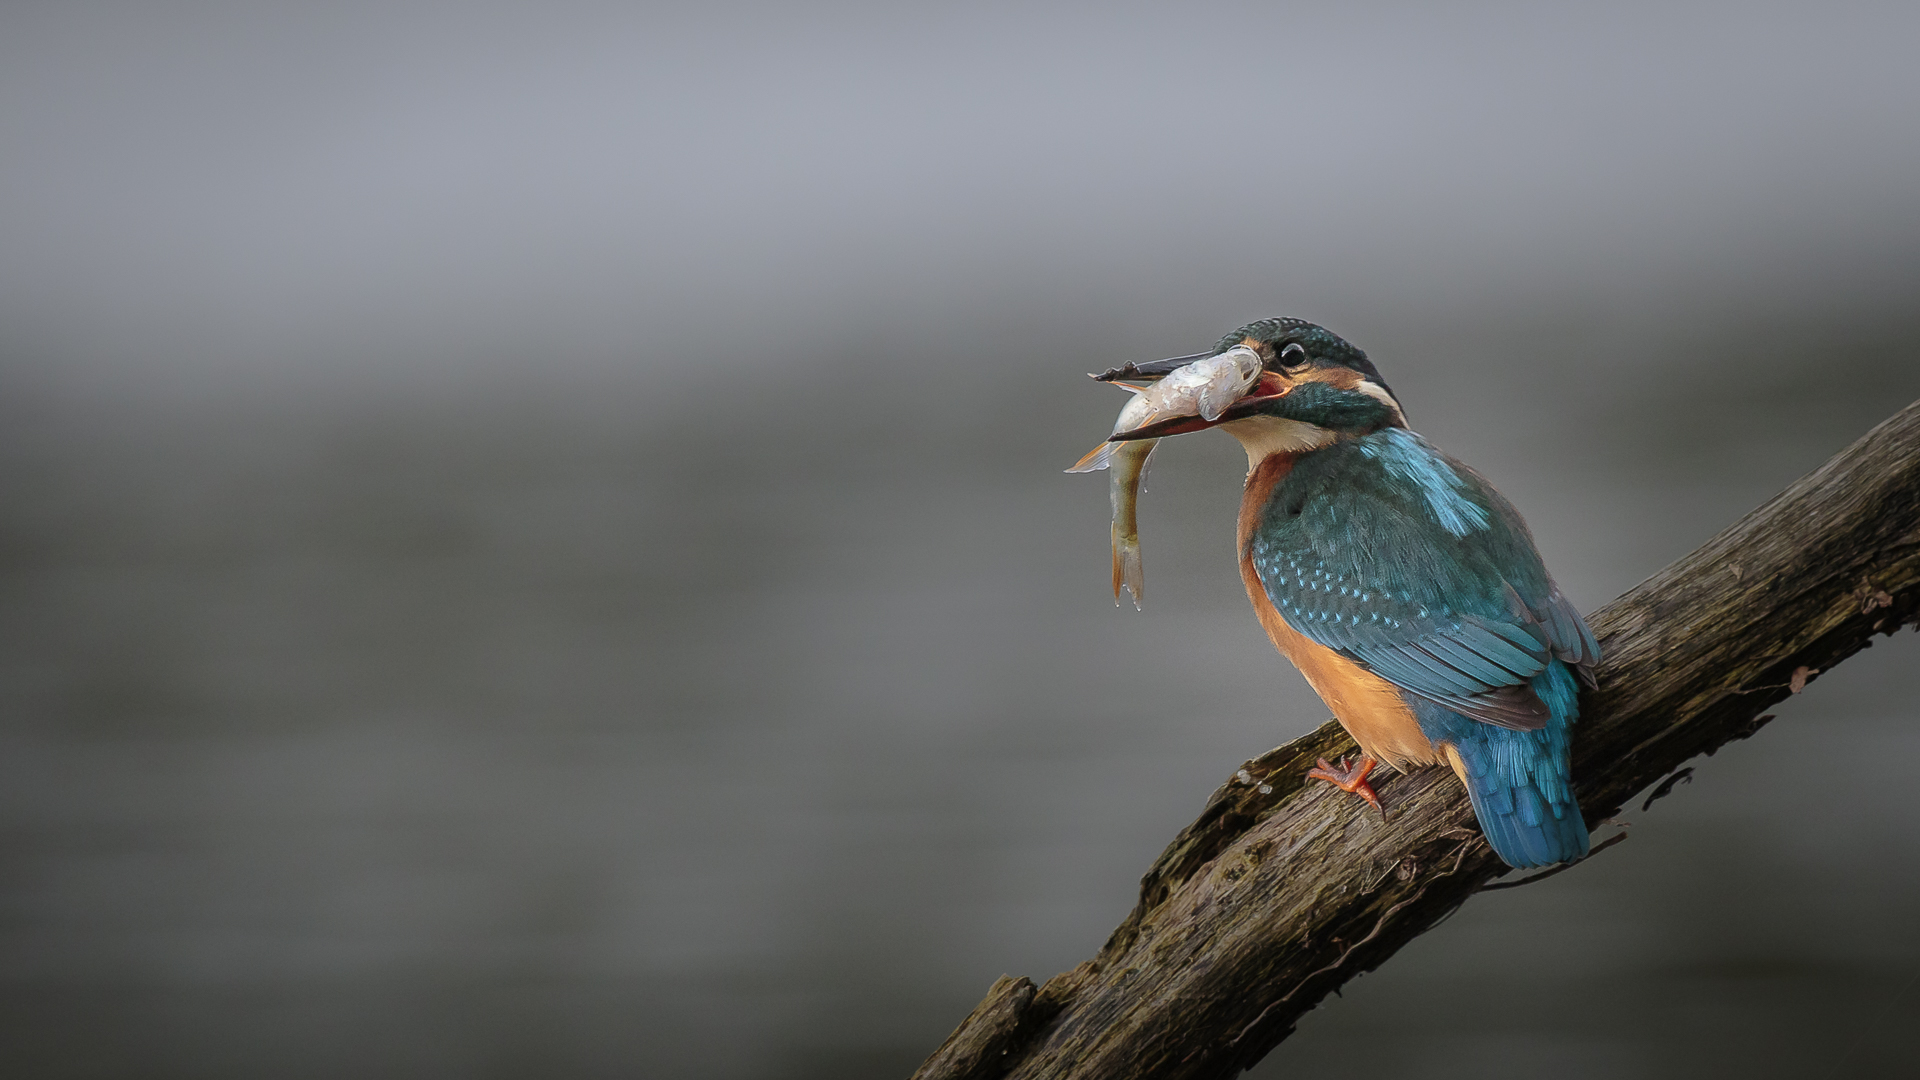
(1349, 778)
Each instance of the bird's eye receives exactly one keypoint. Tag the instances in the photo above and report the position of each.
(1294, 356)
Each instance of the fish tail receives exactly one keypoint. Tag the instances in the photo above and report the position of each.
(1127, 569)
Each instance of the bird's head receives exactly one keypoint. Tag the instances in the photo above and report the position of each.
(1312, 389)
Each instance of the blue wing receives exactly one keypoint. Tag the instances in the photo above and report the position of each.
(1395, 556)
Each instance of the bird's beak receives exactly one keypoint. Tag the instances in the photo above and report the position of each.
(1156, 369)
(1269, 387)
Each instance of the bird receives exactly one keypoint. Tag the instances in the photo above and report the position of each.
(1407, 591)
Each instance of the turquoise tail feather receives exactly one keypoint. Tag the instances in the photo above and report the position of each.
(1518, 780)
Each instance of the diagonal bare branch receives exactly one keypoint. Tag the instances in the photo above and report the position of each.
(1280, 892)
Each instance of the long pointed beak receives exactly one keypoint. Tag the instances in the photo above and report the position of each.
(1153, 370)
(1270, 387)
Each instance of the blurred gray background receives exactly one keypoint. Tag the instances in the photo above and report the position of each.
(532, 540)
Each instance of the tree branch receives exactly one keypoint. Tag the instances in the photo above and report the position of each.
(1282, 891)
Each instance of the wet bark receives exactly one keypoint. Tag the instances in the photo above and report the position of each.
(1282, 891)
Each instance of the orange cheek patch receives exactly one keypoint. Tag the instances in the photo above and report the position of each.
(1337, 377)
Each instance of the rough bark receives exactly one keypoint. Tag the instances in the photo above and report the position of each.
(1282, 891)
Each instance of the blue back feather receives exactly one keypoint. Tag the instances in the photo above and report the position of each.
(1388, 552)
(1518, 780)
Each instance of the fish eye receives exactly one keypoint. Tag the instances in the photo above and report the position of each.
(1294, 356)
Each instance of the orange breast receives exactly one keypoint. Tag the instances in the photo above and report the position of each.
(1368, 706)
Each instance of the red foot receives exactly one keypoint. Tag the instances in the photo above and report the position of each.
(1352, 780)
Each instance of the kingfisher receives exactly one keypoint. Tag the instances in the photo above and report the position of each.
(1405, 589)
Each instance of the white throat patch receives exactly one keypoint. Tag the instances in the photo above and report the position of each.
(1379, 393)
(1265, 436)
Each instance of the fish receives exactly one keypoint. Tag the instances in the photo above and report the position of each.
(1128, 462)
(1204, 388)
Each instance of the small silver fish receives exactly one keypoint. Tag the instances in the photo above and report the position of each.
(1204, 388)
(1128, 461)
